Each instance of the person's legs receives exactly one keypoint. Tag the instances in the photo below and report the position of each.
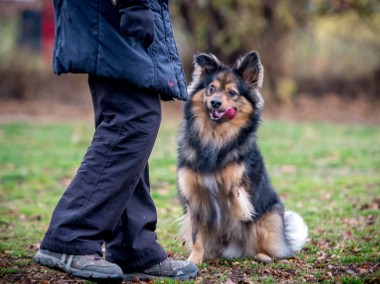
(127, 245)
(109, 198)
(127, 124)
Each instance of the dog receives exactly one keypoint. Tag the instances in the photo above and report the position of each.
(231, 209)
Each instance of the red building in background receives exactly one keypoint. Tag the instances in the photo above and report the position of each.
(35, 19)
(47, 29)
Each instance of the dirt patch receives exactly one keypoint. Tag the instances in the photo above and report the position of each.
(44, 111)
(329, 108)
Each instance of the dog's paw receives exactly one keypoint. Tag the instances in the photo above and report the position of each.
(194, 258)
(263, 258)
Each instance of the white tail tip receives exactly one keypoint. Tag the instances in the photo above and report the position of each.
(295, 230)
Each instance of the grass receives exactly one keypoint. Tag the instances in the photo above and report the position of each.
(328, 173)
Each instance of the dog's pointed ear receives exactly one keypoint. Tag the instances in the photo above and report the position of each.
(252, 72)
(251, 69)
(205, 63)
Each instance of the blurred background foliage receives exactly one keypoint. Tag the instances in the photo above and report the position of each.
(312, 47)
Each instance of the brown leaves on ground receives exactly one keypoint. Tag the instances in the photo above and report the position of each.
(22, 270)
(322, 260)
(293, 270)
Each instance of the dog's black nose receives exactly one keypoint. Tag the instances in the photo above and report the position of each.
(216, 103)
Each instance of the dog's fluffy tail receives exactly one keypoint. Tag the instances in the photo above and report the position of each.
(295, 230)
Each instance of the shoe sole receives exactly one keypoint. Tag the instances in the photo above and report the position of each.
(54, 263)
(143, 276)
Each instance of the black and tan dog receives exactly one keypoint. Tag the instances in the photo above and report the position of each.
(231, 209)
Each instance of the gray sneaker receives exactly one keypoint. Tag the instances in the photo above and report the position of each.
(173, 269)
(91, 267)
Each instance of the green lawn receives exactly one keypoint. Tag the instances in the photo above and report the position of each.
(328, 173)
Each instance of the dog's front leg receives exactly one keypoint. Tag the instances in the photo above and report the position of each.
(242, 207)
(197, 249)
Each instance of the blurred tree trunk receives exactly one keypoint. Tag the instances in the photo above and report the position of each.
(281, 18)
(231, 28)
(271, 42)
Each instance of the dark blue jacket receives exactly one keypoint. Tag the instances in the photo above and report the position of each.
(88, 39)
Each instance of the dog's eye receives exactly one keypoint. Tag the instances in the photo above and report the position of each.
(211, 89)
(232, 94)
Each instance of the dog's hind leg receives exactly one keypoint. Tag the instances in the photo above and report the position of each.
(269, 239)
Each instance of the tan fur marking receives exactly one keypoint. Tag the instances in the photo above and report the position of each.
(217, 84)
(230, 176)
(189, 182)
(245, 110)
(184, 184)
(231, 87)
(268, 237)
(231, 179)
(241, 207)
(198, 250)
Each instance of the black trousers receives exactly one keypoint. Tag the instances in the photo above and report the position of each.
(109, 199)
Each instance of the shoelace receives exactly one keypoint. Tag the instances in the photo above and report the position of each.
(66, 260)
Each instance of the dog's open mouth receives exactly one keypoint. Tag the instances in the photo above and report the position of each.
(217, 114)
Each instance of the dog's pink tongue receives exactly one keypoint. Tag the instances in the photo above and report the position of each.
(229, 113)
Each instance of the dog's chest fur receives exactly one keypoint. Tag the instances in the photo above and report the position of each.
(218, 197)
(220, 204)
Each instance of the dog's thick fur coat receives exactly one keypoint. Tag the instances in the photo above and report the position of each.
(231, 209)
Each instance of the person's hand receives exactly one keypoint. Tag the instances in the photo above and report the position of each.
(138, 21)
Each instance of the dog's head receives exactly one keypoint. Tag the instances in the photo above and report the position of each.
(227, 93)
